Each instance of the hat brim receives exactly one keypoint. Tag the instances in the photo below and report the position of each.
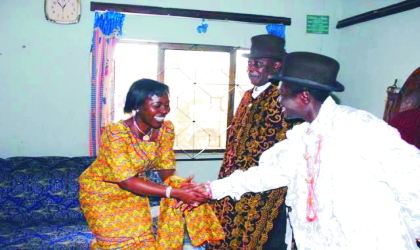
(271, 56)
(336, 87)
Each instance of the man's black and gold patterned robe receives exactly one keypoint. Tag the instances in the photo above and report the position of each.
(257, 220)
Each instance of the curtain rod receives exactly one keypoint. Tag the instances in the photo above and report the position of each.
(173, 12)
(374, 14)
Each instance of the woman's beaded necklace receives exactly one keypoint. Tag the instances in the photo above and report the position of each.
(146, 136)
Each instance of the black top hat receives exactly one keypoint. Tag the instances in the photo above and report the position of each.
(312, 70)
(266, 46)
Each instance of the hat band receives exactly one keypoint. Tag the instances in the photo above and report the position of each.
(338, 87)
(278, 56)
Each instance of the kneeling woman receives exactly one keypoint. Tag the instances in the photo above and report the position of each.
(114, 190)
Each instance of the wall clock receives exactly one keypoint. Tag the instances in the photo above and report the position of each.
(63, 11)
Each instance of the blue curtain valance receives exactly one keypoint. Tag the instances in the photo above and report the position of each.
(276, 30)
(109, 22)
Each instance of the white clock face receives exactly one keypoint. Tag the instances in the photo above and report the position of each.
(62, 11)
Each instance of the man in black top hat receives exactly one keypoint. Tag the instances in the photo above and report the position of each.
(352, 181)
(256, 221)
(265, 59)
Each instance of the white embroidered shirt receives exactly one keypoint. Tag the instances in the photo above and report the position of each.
(368, 187)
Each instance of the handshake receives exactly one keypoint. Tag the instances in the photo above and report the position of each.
(191, 194)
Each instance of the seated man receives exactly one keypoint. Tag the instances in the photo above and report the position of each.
(352, 181)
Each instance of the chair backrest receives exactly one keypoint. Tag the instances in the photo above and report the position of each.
(408, 96)
(38, 189)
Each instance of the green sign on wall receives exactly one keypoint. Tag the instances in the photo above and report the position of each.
(317, 24)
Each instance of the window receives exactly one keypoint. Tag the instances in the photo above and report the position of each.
(206, 85)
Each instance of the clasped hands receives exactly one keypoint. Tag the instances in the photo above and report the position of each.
(194, 194)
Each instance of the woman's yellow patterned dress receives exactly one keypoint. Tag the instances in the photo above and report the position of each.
(120, 219)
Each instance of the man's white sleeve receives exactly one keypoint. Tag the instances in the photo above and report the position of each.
(273, 171)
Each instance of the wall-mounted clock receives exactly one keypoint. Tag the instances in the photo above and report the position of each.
(63, 11)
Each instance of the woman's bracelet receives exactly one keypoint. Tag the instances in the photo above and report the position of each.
(168, 192)
(208, 189)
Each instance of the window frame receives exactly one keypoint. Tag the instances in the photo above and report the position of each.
(163, 46)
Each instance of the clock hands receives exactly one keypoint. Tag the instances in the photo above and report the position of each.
(62, 6)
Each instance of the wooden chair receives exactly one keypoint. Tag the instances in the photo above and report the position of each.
(402, 97)
(402, 109)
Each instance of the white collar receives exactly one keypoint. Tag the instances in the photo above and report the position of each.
(259, 89)
(324, 114)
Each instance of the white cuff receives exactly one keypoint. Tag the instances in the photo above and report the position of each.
(225, 187)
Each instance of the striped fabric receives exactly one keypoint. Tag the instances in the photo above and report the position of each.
(107, 29)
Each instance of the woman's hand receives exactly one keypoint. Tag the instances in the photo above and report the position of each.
(201, 188)
(190, 193)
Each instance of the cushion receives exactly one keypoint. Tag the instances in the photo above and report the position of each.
(43, 235)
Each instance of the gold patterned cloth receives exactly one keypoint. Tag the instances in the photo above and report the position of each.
(201, 222)
(120, 219)
(258, 124)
